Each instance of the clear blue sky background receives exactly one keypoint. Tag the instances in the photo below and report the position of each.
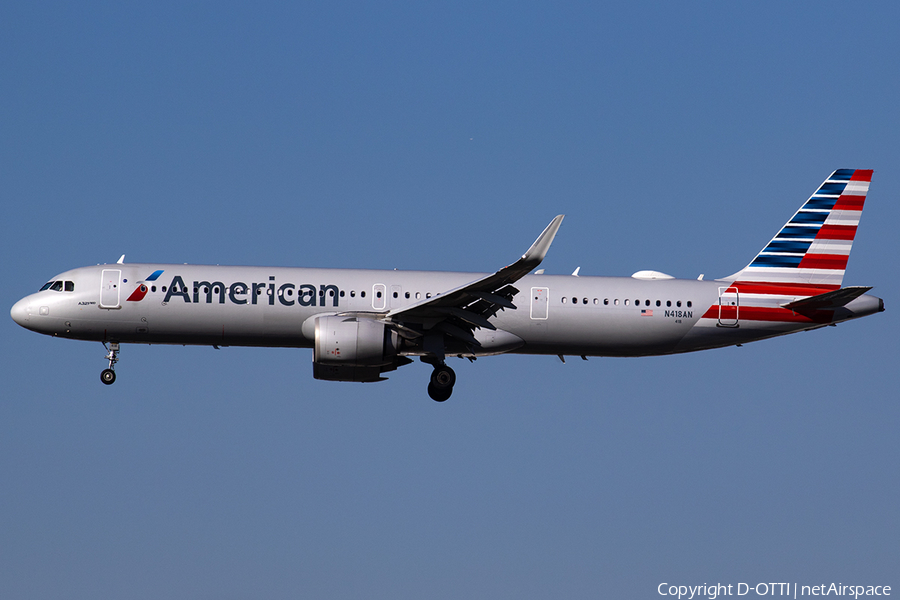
(675, 136)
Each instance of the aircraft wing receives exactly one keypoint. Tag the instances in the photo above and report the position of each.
(457, 312)
(828, 300)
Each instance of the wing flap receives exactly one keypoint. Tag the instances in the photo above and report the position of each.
(469, 317)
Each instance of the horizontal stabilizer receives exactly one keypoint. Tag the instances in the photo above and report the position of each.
(828, 300)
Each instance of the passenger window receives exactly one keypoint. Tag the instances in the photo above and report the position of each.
(428, 294)
(626, 301)
(70, 286)
(378, 294)
(646, 303)
(616, 301)
(596, 301)
(57, 286)
(342, 293)
(678, 303)
(353, 293)
(152, 288)
(407, 295)
(584, 301)
(396, 295)
(689, 304)
(362, 294)
(564, 300)
(658, 303)
(668, 303)
(605, 301)
(418, 295)
(574, 300)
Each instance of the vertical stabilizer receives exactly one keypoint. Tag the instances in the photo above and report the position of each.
(813, 247)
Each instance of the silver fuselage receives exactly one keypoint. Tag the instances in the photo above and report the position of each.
(275, 306)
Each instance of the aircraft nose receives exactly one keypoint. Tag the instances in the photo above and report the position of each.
(19, 312)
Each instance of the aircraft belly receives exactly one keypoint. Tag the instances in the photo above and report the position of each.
(708, 333)
(599, 333)
(227, 326)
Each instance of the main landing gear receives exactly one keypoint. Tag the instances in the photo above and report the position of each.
(441, 385)
(108, 376)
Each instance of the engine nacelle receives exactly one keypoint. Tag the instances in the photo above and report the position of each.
(353, 349)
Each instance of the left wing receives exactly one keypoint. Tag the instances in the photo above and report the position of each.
(458, 312)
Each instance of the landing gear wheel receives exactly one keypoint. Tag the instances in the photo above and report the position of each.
(108, 376)
(443, 377)
(439, 395)
(441, 386)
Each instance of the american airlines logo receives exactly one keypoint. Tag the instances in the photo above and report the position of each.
(138, 294)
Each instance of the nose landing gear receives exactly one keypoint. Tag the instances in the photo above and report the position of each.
(441, 385)
(108, 375)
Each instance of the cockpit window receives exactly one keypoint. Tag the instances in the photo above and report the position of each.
(46, 286)
(70, 286)
(57, 286)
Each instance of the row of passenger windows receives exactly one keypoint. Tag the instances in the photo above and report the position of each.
(69, 286)
(59, 286)
(406, 295)
(626, 301)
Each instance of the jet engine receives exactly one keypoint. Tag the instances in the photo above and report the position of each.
(353, 348)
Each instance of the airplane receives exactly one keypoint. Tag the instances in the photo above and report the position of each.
(361, 324)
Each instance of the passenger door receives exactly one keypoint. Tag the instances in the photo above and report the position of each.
(110, 288)
(729, 307)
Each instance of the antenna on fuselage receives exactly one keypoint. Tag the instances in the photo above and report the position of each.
(121, 260)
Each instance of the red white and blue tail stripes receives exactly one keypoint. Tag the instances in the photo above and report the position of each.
(806, 258)
(813, 247)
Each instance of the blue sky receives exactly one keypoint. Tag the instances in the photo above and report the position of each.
(675, 136)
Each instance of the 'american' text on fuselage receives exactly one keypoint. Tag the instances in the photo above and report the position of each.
(306, 293)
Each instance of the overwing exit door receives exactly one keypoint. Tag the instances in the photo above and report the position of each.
(540, 303)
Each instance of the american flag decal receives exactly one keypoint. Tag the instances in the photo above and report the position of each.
(646, 313)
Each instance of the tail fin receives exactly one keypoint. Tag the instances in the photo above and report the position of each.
(813, 247)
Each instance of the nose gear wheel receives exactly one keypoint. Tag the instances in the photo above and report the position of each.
(108, 375)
